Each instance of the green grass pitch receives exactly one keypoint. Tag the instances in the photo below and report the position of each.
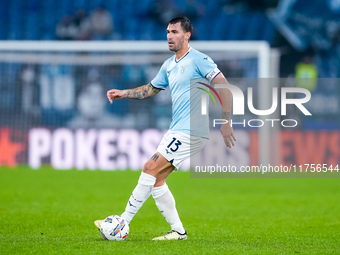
(52, 212)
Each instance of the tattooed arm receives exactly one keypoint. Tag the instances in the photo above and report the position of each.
(142, 92)
(226, 98)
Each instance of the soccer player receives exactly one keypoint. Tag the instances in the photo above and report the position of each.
(182, 139)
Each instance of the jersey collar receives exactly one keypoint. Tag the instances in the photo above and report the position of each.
(183, 55)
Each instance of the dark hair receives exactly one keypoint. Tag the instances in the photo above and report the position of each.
(185, 23)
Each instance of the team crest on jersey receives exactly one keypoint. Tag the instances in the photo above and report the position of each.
(183, 68)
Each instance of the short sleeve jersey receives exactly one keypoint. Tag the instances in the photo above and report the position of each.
(185, 95)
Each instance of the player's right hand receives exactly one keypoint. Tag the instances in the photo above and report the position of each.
(114, 94)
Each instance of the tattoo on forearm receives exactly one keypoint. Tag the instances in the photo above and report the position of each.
(226, 116)
(155, 157)
(137, 93)
(142, 92)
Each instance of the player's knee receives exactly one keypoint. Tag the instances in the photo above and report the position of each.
(149, 167)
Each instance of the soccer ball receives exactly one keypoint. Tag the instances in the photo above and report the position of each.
(114, 228)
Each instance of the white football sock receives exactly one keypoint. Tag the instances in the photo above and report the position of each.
(139, 195)
(166, 204)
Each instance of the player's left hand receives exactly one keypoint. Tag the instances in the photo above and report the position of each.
(228, 135)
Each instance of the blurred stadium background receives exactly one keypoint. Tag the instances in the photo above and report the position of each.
(53, 108)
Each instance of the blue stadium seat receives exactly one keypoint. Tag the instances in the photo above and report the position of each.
(80, 4)
(65, 7)
(3, 20)
(93, 4)
(32, 28)
(269, 32)
(237, 28)
(254, 26)
(180, 4)
(221, 27)
(36, 19)
(112, 6)
(130, 31)
(147, 32)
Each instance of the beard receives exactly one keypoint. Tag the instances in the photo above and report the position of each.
(174, 49)
(176, 46)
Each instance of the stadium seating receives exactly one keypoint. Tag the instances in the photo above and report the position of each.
(37, 20)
